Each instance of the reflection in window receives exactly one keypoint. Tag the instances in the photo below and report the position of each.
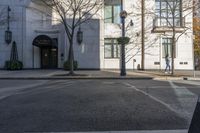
(111, 48)
(167, 47)
(164, 12)
(111, 11)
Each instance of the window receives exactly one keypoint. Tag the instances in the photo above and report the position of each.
(112, 10)
(164, 12)
(167, 47)
(111, 48)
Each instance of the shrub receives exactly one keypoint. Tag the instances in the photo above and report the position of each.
(13, 65)
(67, 65)
(123, 40)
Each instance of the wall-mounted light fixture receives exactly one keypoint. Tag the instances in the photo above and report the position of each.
(8, 33)
(79, 34)
(131, 23)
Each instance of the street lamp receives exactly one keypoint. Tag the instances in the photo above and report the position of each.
(8, 33)
(123, 15)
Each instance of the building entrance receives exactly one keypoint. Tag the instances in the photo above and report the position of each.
(49, 58)
(48, 51)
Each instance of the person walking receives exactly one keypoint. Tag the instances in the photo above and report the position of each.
(167, 64)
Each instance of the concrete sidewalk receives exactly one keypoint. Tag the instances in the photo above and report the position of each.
(97, 74)
(61, 74)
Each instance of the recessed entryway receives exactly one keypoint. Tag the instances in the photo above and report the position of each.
(48, 51)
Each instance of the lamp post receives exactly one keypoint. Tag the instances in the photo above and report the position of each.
(123, 15)
(8, 33)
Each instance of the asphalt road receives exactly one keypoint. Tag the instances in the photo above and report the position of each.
(95, 105)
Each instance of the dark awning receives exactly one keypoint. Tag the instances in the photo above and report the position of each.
(43, 41)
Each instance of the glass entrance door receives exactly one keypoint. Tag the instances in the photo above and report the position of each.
(49, 58)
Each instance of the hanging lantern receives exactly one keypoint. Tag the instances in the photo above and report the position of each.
(79, 36)
(8, 36)
(8, 33)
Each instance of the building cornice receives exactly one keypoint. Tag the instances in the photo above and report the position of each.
(47, 31)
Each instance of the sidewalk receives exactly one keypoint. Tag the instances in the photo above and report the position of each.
(97, 74)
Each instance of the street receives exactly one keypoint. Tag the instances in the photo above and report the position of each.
(96, 105)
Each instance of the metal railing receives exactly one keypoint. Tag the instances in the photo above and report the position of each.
(161, 22)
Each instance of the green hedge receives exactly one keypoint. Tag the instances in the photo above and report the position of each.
(66, 65)
(13, 65)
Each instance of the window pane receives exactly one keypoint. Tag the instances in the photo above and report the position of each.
(177, 22)
(163, 5)
(158, 13)
(170, 21)
(166, 47)
(108, 14)
(111, 48)
(163, 22)
(164, 11)
(157, 5)
(116, 51)
(108, 51)
(116, 12)
(177, 13)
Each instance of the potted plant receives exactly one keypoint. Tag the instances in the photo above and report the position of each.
(66, 65)
(123, 40)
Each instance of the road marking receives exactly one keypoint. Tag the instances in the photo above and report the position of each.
(8, 91)
(108, 83)
(181, 90)
(187, 101)
(152, 97)
(48, 88)
(189, 82)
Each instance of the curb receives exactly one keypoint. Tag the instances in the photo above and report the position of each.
(168, 78)
(72, 77)
(190, 78)
(130, 131)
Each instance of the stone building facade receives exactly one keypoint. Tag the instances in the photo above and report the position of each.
(30, 24)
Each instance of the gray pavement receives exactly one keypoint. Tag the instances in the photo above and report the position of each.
(137, 106)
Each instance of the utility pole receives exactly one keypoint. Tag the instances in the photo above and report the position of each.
(143, 33)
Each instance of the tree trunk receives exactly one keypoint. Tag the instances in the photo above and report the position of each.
(173, 53)
(71, 58)
(173, 39)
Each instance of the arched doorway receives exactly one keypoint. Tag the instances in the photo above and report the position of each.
(48, 51)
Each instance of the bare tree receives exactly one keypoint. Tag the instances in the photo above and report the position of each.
(3, 15)
(72, 13)
(174, 20)
(140, 41)
(196, 32)
(171, 19)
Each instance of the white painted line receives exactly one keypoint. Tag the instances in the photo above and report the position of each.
(186, 99)
(181, 91)
(152, 97)
(8, 91)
